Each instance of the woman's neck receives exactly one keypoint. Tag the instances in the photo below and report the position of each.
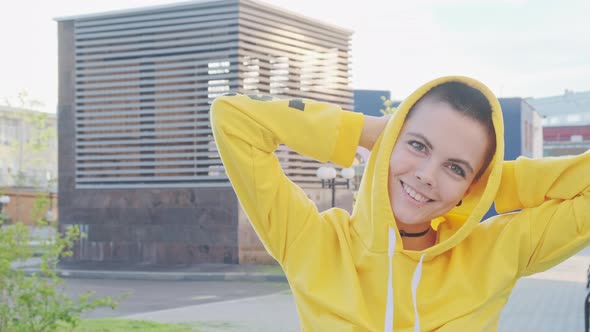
(420, 242)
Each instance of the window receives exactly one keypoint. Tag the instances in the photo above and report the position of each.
(573, 118)
(554, 120)
(216, 68)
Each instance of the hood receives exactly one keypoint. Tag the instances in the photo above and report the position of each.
(373, 204)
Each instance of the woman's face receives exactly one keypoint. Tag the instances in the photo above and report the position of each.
(434, 161)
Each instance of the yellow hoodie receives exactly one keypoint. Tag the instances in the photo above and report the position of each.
(350, 272)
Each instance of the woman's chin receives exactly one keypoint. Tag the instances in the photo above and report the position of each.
(409, 220)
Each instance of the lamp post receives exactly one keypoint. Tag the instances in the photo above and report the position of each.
(328, 176)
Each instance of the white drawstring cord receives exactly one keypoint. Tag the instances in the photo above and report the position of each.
(415, 283)
(389, 306)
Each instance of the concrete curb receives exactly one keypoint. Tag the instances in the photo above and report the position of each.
(165, 276)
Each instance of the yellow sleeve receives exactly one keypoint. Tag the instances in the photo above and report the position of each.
(247, 131)
(554, 195)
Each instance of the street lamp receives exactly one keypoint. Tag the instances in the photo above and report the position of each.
(328, 176)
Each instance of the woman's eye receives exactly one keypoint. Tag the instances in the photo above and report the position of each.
(417, 146)
(457, 170)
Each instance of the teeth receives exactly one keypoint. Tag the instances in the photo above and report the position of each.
(414, 194)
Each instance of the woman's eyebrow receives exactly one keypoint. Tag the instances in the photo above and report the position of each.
(463, 162)
(422, 137)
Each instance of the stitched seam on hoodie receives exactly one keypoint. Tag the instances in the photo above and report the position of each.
(304, 228)
(353, 229)
(531, 248)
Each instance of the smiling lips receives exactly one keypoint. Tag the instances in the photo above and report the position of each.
(415, 195)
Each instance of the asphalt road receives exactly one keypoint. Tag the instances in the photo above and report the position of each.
(148, 296)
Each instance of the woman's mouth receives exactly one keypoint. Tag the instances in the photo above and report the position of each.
(414, 195)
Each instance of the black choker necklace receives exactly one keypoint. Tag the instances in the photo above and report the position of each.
(403, 233)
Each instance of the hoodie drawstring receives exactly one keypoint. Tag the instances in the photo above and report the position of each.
(415, 282)
(389, 306)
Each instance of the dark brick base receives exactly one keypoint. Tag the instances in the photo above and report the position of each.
(153, 226)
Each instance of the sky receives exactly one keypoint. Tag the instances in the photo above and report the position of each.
(519, 48)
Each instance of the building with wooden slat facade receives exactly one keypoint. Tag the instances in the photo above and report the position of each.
(138, 168)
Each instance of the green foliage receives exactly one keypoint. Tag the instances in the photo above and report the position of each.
(23, 100)
(36, 302)
(29, 154)
(127, 325)
(387, 103)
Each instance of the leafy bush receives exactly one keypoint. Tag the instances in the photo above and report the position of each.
(36, 302)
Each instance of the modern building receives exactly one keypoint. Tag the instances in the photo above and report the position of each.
(28, 159)
(138, 168)
(522, 129)
(28, 147)
(566, 122)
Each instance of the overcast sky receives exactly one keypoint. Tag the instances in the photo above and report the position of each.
(517, 47)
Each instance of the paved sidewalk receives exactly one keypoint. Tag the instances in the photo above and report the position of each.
(546, 302)
(270, 313)
(201, 272)
(549, 301)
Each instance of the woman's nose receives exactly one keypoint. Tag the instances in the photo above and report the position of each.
(425, 173)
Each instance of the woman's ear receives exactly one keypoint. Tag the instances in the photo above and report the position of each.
(468, 189)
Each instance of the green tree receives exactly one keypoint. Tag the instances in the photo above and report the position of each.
(32, 149)
(388, 108)
(23, 100)
(35, 302)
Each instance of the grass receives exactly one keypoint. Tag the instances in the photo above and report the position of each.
(217, 325)
(271, 269)
(129, 325)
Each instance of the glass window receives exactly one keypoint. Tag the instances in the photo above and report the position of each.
(576, 138)
(573, 118)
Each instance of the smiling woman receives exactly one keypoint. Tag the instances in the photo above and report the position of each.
(445, 145)
(415, 254)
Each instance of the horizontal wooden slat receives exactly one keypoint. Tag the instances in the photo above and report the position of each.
(148, 156)
(101, 113)
(150, 179)
(159, 81)
(164, 184)
(220, 35)
(139, 97)
(293, 22)
(145, 72)
(139, 134)
(155, 117)
(282, 29)
(231, 50)
(220, 42)
(188, 31)
(159, 170)
(85, 165)
(142, 141)
(83, 30)
(159, 65)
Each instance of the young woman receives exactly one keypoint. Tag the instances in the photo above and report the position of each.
(415, 254)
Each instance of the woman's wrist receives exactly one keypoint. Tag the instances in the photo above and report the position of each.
(372, 128)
